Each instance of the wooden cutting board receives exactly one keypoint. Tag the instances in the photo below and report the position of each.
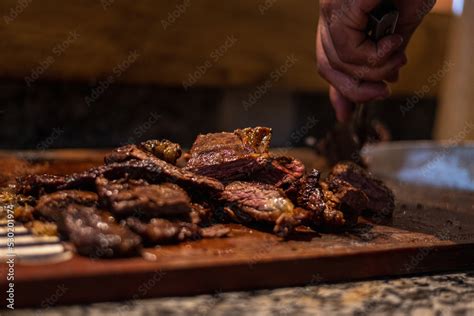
(432, 230)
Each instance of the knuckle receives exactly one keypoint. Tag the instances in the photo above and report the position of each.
(334, 64)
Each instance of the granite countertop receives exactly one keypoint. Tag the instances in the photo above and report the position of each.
(442, 294)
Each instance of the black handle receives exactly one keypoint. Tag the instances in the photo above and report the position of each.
(382, 20)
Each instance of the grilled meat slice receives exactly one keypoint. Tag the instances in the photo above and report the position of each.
(280, 171)
(306, 193)
(150, 169)
(166, 231)
(201, 213)
(258, 138)
(193, 183)
(350, 196)
(229, 156)
(36, 185)
(51, 207)
(343, 206)
(127, 197)
(319, 207)
(161, 149)
(258, 202)
(242, 155)
(381, 200)
(40, 184)
(96, 234)
(133, 169)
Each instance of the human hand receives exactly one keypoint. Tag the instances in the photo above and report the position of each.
(356, 67)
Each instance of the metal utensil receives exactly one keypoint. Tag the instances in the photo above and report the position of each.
(382, 22)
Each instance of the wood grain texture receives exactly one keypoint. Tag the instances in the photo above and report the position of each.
(431, 231)
(168, 52)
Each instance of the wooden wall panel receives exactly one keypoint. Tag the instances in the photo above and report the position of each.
(169, 54)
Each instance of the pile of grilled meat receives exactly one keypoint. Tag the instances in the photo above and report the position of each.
(149, 194)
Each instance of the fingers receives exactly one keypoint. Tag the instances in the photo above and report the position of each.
(354, 47)
(353, 90)
(369, 71)
(356, 67)
(341, 104)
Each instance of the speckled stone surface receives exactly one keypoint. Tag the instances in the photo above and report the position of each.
(444, 294)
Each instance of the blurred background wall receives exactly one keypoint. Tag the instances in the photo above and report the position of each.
(86, 73)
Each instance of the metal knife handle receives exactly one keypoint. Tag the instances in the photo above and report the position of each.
(382, 20)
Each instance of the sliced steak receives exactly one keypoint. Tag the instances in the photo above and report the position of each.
(193, 183)
(52, 207)
(161, 149)
(147, 167)
(229, 156)
(242, 155)
(319, 207)
(307, 193)
(36, 185)
(280, 171)
(95, 233)
(127, 197)
(381, 200)
(258, 202)
(258, 138)
(343, 206)
(201, 213)
(347, 194)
